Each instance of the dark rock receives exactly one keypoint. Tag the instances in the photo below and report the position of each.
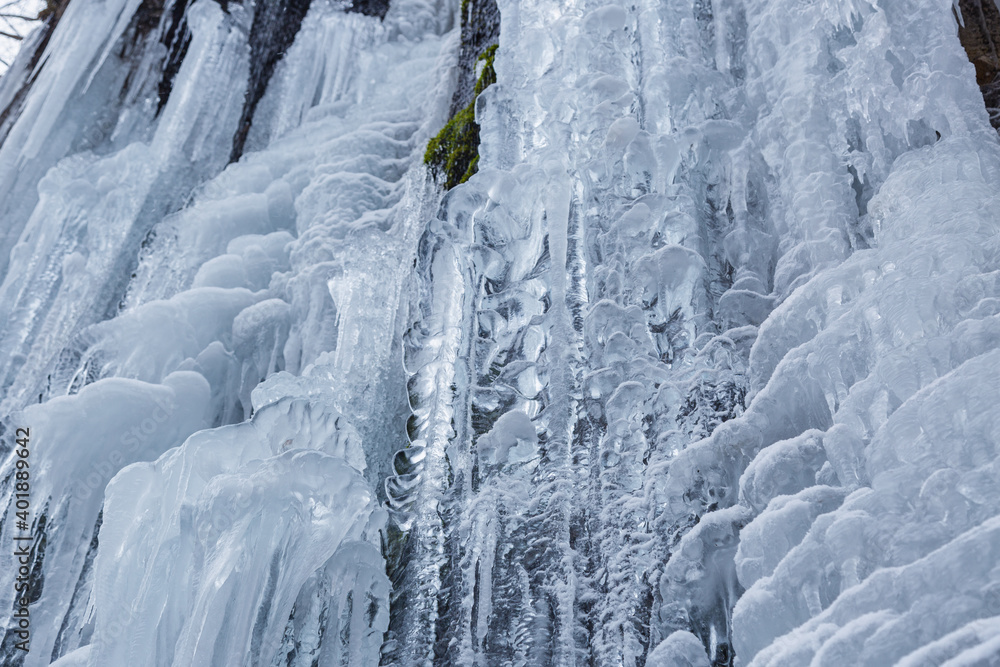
(176, 38)
(453, 155)
(275, 24)
(376, 8)
(980, 35)
(480, 30)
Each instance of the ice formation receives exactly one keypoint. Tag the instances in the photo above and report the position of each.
(701, 367)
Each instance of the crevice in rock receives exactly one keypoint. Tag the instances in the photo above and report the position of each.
(275, 24)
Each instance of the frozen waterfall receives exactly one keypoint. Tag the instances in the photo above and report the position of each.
(699, 366)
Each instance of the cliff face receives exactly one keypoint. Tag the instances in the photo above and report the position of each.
(479, 25)
(979, 32)
(529, 333)
(453, 155)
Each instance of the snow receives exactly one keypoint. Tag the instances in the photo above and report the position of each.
(701, 367)
(17, 21)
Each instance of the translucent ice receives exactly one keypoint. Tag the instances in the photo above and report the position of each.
(237, 505)
(700, 367)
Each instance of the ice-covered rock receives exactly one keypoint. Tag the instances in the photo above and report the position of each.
(699, 367)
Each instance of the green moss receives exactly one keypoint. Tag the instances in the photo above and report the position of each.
(450, 154)
(489, 75)
(453, 155)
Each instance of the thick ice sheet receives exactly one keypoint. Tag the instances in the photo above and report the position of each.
(267, 271)
(700, 368)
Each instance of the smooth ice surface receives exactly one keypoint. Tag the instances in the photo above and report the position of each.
(700, 368)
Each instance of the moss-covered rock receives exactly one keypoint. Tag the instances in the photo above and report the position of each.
(489, 75)
(480, 29)
(453, 155)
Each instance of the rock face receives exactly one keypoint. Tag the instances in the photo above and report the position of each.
(453, 155)
(979, 32)
(479, 24)
(683, 350)
(275, 24)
